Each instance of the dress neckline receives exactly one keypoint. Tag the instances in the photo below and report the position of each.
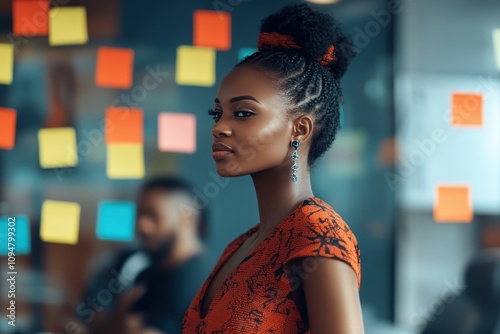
(222, 261)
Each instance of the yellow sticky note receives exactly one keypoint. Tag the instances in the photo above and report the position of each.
(57, 147)
(195, 66)
(6, 63)
(125, 161)
(496, 46)
(60, 222)
(68, 26)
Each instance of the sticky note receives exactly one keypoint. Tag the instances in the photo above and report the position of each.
(467, 109)
(490, 236)
(176, 132)
(195, 66)
(30, 18)
(60, 222)
(114, 67)
(387, 152)
(245, 52)
(19, 229)
(7, 128)
(124, 125)
(6, 63)
(212, 29)
(496, 46)
(125, 161)
(68, 26)
(453, 204)
(57, 147)
(116, 221)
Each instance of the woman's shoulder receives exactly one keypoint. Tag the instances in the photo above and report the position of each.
(316, 229)
(316, 213)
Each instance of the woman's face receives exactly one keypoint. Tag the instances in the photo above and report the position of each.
(251, 120)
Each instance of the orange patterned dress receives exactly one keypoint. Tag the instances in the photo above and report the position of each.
(260, 295)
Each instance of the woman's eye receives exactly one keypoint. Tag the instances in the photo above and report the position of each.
(243, 113)
(215, 114)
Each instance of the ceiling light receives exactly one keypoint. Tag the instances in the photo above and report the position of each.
(323, 2)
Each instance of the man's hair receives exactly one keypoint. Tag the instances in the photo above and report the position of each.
(176, 184)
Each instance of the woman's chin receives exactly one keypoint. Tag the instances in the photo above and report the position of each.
(224, 173)
(228, 170)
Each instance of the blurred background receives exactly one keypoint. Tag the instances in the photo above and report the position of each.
(414, 171)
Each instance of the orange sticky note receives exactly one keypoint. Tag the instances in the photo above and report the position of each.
(387, 152)
(7, 128)
(467, 109)
(124, 125)
(453, 204)
(212, 29)
(176, 132)
(30, 18)
(114, 68)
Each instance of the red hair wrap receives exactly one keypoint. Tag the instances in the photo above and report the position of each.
(274, 39)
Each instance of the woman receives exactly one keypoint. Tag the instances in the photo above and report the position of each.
(276, 112)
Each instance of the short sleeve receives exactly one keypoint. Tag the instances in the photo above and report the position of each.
(318, 231)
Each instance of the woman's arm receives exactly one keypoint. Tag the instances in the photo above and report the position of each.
(331, 293)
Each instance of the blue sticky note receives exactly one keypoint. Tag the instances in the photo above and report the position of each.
(19, 226)
(245, 52)
(116, 221)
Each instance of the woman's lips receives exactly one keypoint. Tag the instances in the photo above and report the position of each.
(217, 155)
(220, 150)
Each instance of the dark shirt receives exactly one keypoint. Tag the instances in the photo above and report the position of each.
(169, 293)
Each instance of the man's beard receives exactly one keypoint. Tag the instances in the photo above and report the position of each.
(161, 254)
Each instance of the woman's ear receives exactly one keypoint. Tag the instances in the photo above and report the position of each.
(303, 128)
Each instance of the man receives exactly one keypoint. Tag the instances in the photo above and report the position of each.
(160, 279)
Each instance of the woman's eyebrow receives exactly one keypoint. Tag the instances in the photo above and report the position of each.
(239, 98)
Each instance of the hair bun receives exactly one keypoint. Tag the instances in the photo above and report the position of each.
(317, 35)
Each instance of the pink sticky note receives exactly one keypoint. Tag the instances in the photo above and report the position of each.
(176, 132)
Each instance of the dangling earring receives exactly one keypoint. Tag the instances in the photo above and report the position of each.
(295, 155)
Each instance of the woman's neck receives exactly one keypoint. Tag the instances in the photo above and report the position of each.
(278, 196)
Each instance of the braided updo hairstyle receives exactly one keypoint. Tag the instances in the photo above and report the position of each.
(307, 60)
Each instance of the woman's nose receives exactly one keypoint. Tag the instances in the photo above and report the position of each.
(221, 129)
